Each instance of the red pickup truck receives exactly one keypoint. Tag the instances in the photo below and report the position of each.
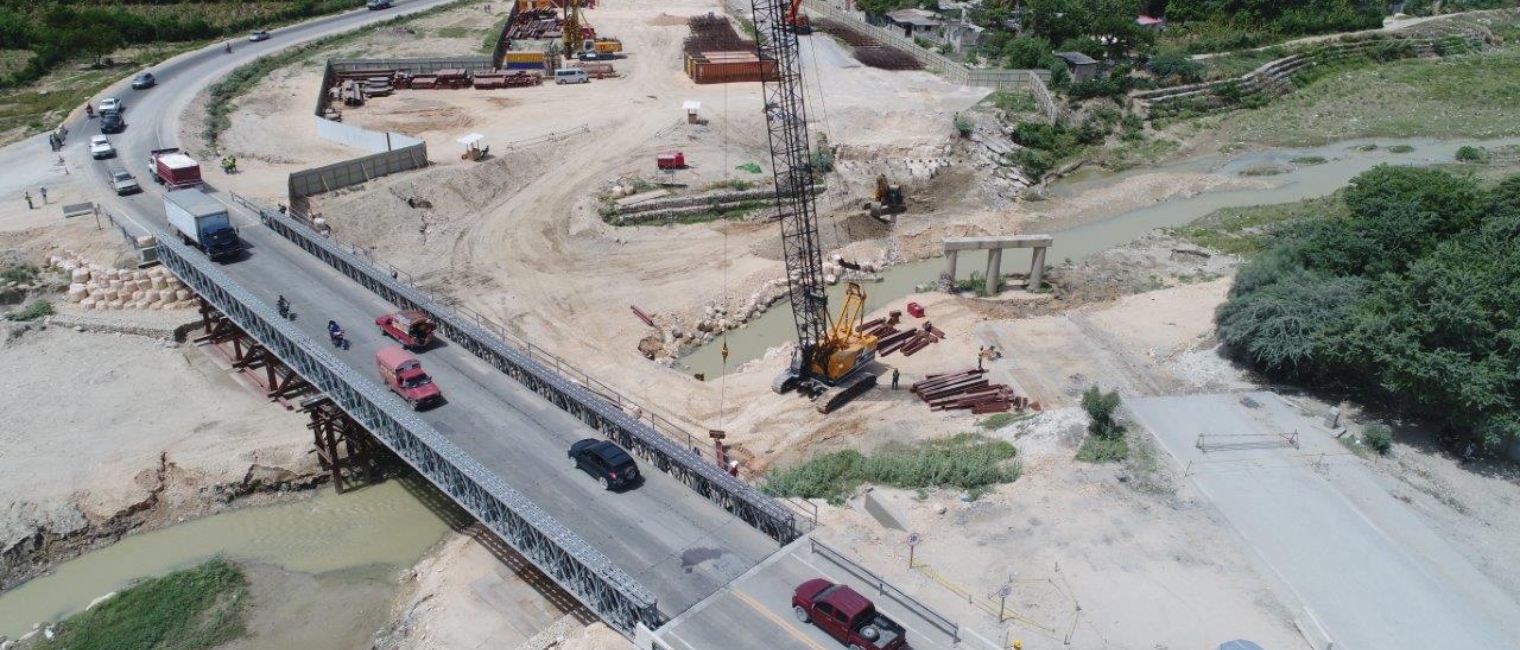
(411, 328)
(404, 375)
(846, 615)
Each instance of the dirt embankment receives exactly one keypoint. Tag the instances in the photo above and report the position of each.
(138, 433)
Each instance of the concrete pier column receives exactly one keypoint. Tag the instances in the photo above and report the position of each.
(994, 270)
(950, 267)
(1037, 269)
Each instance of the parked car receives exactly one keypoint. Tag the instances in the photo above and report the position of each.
(112, 123)
(111, 105)
(564, 76)
(606, 462)
(261, 35)
(124, 183)
(144, 81)
(100, 147)
(844, 614)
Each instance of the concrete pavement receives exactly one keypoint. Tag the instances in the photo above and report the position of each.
(1365, 570)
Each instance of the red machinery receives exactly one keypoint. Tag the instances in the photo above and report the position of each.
(670, 160)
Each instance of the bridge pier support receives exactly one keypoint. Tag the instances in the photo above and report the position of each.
(341, 444)
(278, 381)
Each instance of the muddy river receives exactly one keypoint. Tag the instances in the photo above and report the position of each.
(1344, 160)
(368, 533)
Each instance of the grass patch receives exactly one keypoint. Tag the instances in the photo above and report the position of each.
(997, 421)
(968, 462)
(456, 32)
(1264, 170)
(34, 311)
(1103, 450)
(19, 273)
(193, 609)
(1400, 148)
(1250, 230)
(1309, 161)
(1469, 95)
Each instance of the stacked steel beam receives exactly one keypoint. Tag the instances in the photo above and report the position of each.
(537, 24)
(503, 79)
(714, 34)
(868, 50)
(968, 389)
(889, 339)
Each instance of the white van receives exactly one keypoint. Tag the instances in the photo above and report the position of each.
(571, 76)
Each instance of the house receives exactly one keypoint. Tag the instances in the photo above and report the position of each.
(1150, 22)
(916, 23)
(963, 35)
(1081, 66)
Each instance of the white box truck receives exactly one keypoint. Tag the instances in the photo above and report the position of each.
(202, 221)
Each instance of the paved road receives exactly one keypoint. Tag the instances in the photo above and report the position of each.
(1373, 574)
(765, 594)
(672, 540)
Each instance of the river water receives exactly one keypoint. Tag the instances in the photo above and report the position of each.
(380, 529)
(1344, 161)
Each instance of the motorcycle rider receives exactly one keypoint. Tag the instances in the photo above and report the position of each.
(334, 331)
(283, 305)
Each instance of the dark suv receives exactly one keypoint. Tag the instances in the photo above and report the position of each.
(112, 123)
(612, 467)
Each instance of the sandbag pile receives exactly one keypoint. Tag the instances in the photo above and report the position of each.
(92, 286)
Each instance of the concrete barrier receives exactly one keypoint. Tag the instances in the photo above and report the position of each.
(310, 182)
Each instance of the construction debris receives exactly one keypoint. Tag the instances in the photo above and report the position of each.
(969, 389)
(890, 339)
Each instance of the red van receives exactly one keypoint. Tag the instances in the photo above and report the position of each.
(403, 373)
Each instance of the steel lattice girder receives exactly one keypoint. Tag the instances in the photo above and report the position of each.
(558, 552)
(738, 497)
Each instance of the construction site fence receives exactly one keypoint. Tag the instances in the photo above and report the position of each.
(362, 138)
(953, 70)
(310, 182)
(556, 551)
(887, 589)
(669, 447)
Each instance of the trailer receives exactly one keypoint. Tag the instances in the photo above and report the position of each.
(202, 222)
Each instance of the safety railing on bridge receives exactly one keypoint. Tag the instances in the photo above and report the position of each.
(887, 589)
(558, 552)
(671, 449)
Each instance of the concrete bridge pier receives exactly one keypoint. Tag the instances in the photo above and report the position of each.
(994, 247)
(994, 270)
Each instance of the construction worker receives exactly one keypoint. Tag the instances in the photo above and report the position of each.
(43, 191)
(29, 205)
(895, 375)
(981, 353)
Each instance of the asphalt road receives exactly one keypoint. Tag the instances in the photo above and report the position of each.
(1363, 568)
(676, 543)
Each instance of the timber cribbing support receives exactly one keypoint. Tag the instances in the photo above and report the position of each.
(487, 340)
(562, 555)
(342, 444)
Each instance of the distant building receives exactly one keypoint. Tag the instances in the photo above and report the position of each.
(916, 23)
(1081, 66)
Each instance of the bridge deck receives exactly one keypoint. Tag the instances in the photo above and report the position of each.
(675, 542)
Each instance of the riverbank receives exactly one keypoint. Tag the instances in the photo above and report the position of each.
(154, 433)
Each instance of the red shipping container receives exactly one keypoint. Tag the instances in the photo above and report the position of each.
(915, 310)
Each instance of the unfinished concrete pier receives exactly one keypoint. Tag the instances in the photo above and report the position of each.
(994, 247)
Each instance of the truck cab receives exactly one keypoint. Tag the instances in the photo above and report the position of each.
(844, 614)
(410, 327)
(404, 375)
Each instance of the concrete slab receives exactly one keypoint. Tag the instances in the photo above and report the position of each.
(1359, 563)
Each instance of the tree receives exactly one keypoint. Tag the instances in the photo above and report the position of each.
(94, 42)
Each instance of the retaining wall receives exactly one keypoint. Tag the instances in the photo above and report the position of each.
(361, 138)
(327, 178)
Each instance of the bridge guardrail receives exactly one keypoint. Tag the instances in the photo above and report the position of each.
(576, 566)
(886, 588)
(594, 403)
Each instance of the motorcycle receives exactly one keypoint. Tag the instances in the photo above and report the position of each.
(336, 336)
(283, 306)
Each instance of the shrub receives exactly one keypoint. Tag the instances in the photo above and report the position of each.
(1378, 438)
(34, 311)
(1470, 154)
(1179, 68)
(962, 125)
(968, 462)
(1103, 450)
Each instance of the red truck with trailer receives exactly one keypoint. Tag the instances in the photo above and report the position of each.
(404, 375)
(847, 616)
(172, 169)
(411, 328)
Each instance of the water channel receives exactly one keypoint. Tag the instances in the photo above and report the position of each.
(1344, 160)
(379, 529)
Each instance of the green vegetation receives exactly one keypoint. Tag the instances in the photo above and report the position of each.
(968, 462)
(19, 273)
(1471, 154)
(1459, 96)
(1047, 146)
(1197, 26)
(1378, 438)
(1250, 230)
(753, 168)
(997, 421)
(1408, 297)
(1400, 148)
(34, 311)
(1105, 434)
(1307, 161)
(56, 32)
(962, 125)
(193, 609)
